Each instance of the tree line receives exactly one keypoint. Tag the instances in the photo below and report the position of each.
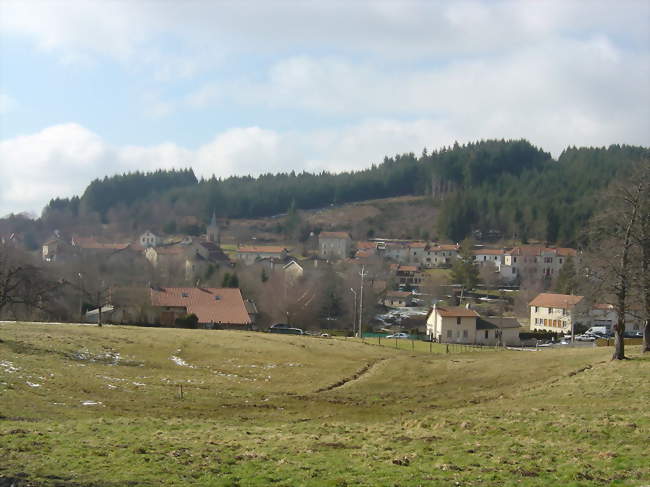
(505, 186)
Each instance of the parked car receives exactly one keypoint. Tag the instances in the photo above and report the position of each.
(398, 335)
(632, 334)
(279, 325)
(585, 338)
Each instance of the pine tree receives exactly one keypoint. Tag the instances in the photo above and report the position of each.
(465, 270)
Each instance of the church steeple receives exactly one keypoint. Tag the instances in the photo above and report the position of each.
(212, 231)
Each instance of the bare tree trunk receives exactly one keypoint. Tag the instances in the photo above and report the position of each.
(621, 293)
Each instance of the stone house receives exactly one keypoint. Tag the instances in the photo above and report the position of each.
(334, 245)
(442, 255)
(249, 254)
(397, 299)
(534, 261)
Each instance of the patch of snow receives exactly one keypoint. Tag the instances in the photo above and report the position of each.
(8, 366)
(32, 384)
(138, 384)
(91, 403)
(179, 361)
(111, 386)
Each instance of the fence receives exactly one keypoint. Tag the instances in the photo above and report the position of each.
(609, 342)
(415, 345)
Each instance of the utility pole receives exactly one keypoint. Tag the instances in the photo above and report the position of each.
(363, 275)
(99, 303)
(354, 312)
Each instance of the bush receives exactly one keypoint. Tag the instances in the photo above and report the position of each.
(187, 321)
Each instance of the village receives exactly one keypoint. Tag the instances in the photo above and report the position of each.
(330, 284)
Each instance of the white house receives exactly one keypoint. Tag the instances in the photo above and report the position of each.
(149, 239)
(484, 255)
(334, 245)
(292, 272)
(452, 324)
(497, 330)
(554, 312)
(463, 325)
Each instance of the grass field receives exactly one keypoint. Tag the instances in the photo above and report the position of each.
(85, 406)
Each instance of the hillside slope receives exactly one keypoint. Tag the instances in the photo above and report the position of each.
(86, 406)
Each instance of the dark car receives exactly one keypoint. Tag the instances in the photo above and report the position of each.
(279, 326)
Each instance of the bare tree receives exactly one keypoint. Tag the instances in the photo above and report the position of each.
(641, 238)
(24, 286)
(612, 245)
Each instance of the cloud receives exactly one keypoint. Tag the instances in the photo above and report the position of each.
(180, 38)
(561, 92)
(60, 161)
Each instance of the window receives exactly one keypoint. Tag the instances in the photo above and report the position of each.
(487, 334)
(458, 320)
(464, 333)
(536, 309)
(448, 333)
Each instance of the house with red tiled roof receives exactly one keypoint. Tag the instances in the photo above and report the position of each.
(214, 307)
(334, 245)
(452, 324)
(555, 312)
(534, 261)
(92, 244)
(455, 324)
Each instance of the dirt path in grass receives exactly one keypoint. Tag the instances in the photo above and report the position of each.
(359, 374)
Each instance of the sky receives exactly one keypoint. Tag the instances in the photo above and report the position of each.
(93, 88)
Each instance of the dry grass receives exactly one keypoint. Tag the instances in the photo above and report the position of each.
(251, 413)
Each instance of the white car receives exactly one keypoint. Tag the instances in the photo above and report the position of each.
(398, 335)
(585, 338)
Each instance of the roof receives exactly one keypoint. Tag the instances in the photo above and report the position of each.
(495, 322)
(292, 263)
(603, 306)
(333, 235)
(366, 245)
(417, 245)
(555, 300)
(456, 311)
(488, 252)
(534, 250)
(91, 243)
(217, 305)
(444, 247)
(169, 250)
(269, 249)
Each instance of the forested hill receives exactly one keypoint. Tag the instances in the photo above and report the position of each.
(510, 186)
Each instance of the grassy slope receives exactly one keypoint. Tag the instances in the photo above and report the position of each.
(251, 414)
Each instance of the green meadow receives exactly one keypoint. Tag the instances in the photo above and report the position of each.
(118, 406)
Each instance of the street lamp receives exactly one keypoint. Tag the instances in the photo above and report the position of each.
(354, 311)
